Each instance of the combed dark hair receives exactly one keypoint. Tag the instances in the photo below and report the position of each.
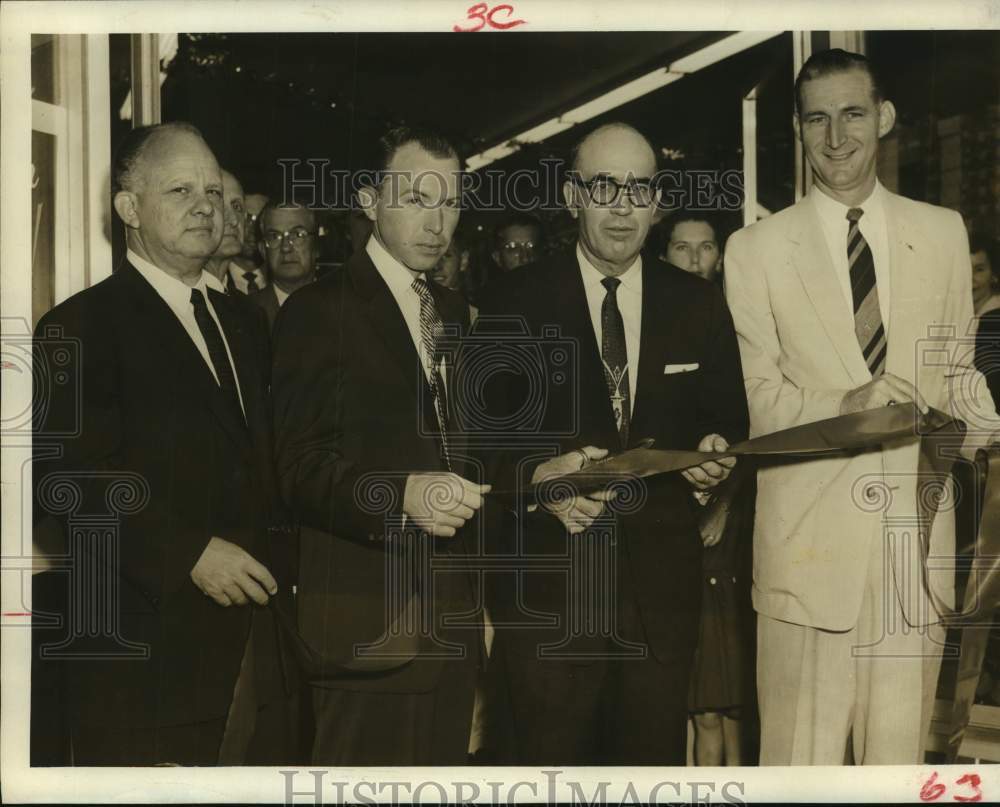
(980, 242)
(661, 233)
(130, 151)
(518, 219)
(428, 139)
(276, 204)
(836, 60)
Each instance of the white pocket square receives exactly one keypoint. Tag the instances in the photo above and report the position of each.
(679, 368)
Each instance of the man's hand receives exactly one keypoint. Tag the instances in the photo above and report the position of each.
(229, 575)
(712, 472)
(577, 512)
(881, 391)
(440, 503)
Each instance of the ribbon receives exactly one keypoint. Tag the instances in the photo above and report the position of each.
(941, 436)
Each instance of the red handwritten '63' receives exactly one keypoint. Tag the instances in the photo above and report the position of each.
(483, 15)
(932, 789)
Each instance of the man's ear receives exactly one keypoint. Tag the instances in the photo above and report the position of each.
(368, 198)
(125, 205)
(569, 195)
(464, 261)
(886, 118)
(797, 126)
(495, 254)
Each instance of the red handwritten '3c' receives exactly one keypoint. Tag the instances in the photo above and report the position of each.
(484, 15)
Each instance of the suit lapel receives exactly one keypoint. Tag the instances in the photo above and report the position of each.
(242, 348)
(811, 259)
(658, 318)
(168, 335)
(388, 322)
(906, 283)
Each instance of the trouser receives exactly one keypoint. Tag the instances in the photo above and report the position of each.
(873, 684)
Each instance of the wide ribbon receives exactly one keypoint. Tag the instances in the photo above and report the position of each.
(941, 436)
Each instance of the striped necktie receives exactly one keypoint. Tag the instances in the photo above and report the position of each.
(868, 325)
(431, 327)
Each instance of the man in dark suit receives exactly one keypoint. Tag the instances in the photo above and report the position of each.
(361, 390)
(289, 244)
(170, 427)
(595, 632)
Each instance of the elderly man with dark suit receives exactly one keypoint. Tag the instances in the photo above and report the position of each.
(598, 674)
(831, 299)
(379, 486)
(172, 376)
(289, 244)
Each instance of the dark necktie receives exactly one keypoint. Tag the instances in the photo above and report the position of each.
(431, 327)
(216, 350)
(615, 357)
(868, 325)
(251, 280)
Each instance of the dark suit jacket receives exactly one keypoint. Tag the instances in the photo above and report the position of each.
(685, 321)
(353, 418)
(987, 359)
(147, 405)
(267, 300)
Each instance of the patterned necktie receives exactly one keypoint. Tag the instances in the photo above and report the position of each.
(216, 350)
(864, 291)
(251, 280)
(431, 327)
(615, 358)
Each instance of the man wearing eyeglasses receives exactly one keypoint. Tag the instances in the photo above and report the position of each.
(519, 240)
(289, 244)
(606, 681)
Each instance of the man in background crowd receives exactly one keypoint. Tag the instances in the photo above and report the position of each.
(518, 241)
(831, 299)
(289, 244)
(233, 229)
(248, 269)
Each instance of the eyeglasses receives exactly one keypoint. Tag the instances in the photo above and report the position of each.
(517, 246)
(297, 236)
(605, 190)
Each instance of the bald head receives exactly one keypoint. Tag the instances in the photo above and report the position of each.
(613, 145)
(612, 197)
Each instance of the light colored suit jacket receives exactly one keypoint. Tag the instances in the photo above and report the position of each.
(816, 518)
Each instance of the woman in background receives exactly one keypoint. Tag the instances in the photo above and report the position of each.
(719, 677)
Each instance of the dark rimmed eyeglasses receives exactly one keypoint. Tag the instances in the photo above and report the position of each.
(297, 236)
(605, 190)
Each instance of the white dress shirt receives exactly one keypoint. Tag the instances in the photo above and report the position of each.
(236, 272)
(177, 295)
(833, 218)
(400, 279)
(629, 297)
(280, 295)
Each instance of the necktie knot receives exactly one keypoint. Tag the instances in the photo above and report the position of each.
(197, 298)
(611, 284)
(854, 214)
(422, 289)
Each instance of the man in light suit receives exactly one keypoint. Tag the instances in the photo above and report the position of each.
(172, 391)
(369, 469)
(831, 298)
(656, 359)
(289, 244)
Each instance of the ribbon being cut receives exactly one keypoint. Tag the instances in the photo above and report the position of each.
(940, 438)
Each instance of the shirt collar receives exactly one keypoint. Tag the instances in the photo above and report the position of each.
(174, 292)
(280, 295)
(631, 278)
(394, 273)
(830, 209)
